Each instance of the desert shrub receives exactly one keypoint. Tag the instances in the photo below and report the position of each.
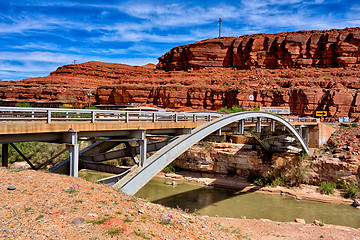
(169, 169)
(233, 109)
(351, 191)
(292, 173)
(327, 187)
(341, 185)
(206, 144)
(254, 176)
(22, 104)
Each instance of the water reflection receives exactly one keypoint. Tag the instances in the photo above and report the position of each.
(230, 203)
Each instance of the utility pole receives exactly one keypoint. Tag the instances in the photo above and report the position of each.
(74, 68)
(220, 27)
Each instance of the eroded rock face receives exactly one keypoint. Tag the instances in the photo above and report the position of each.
(332, 48)
(338, 160)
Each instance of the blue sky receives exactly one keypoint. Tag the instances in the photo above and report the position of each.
(38, 36)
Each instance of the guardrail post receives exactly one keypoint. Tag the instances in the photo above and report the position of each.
(48, 120)
(32, 114)
(126, 117)
(154, 117)
(93, 116)
(194, 117)
(176, 117)
(209, 118)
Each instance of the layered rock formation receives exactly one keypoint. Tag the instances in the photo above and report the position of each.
(339, 160)
(331, 48)
(304, 90)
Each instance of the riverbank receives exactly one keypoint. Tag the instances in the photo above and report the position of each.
(37, 205)
(264, 229)
(303, 192)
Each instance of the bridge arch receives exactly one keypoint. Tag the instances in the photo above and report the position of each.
(137, 178)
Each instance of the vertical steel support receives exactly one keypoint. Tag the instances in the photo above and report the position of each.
(154, 117)
(219, 132)
(48, 119)
(258, 124)
(126, 117)
(143, 145)
(306, 136)
(300, 131)
(74, 155)
(241, 126)
(194, 117)
(176, 117)
(93, 116)
(272, 125)
(5, 155)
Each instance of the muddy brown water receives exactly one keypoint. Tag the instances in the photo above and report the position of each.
(221, 202)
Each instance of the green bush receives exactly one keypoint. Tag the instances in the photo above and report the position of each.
(233, 109)
(351, 191)
(22, 104)
(169, 169)
(206, 144)
(327, 187)
(293, 173)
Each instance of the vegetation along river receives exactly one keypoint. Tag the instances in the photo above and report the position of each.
(220, 202)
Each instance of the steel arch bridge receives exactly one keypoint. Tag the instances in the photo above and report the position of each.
(138, 177)
(120, 128)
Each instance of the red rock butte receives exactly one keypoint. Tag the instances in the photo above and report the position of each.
(330, 48)
(209, 75)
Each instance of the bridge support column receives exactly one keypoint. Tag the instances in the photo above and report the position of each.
(143, 151)
(272, 125)
(5, 155)
(241, 126)
(140, 135)
(306, 136)
(74, 155)
(258, 124)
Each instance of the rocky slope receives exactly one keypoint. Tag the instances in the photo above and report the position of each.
(332, 48)
(51, 206)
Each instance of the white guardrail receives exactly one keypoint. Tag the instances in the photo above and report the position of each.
(91, 115)
(61, 114)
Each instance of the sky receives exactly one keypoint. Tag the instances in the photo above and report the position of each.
(38, 36)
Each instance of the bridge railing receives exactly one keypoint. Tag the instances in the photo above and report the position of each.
(57, 114)
(91, 115)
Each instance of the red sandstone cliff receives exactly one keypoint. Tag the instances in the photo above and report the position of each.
(304, 90)
(331, 48)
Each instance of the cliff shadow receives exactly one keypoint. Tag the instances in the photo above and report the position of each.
(197, 199)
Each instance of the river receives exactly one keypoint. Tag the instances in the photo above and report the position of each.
(231, 203)
(221, 202)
